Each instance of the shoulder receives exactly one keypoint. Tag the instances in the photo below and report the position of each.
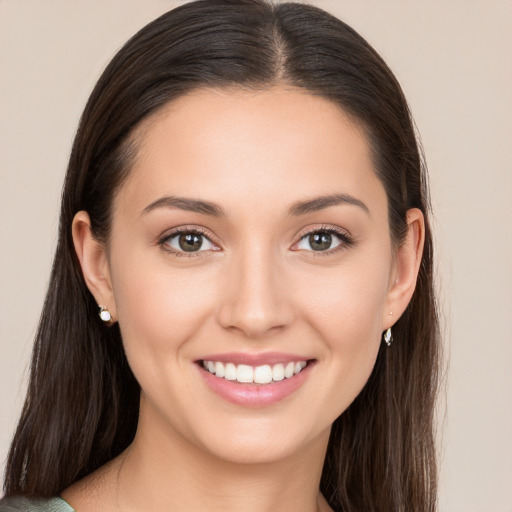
(24, 504)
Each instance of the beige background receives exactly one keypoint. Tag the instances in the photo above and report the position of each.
(453, 59)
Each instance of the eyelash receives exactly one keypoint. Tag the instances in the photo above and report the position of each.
(345, 239)
(178, 231)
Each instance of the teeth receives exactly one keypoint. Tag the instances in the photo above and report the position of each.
(244, 373)
(219, 370)
(278, 372)
(263, 374)
(229, 371)
(299, 366)
(259, 374)
(288, 371)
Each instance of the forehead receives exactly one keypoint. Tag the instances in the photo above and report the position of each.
(242, 146)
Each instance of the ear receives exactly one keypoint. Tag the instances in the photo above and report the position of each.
(407, 264)
(94, 262)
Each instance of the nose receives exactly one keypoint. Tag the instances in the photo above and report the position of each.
(255, 298)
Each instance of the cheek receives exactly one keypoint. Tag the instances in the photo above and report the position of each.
(345, 309)
(159, 308)
(347, 302)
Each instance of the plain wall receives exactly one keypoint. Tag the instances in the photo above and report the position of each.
(453, 59)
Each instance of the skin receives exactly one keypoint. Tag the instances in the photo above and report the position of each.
(257, 287)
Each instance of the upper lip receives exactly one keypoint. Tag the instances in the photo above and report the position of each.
(269, 358)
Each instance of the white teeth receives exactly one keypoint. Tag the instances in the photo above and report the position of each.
(298, 367)
(230, 371)
(263, 374)
(244, 373)
(278, 372)
(219, 369)
(288, 371)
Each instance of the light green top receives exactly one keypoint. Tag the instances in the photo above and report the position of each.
(23, 504)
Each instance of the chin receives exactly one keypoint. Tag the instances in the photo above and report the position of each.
(262, 442)
(250, 453)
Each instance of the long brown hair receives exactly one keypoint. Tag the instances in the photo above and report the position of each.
(82, 403)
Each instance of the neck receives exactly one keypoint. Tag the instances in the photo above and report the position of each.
(161, 469)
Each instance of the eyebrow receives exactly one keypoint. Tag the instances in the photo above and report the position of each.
(214, 210)
(322, 202)
(187, 204)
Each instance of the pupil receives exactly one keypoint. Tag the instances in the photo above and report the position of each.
(320, 241)
(190, 242)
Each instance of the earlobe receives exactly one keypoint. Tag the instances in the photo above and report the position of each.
(93, 260)
(408, 261)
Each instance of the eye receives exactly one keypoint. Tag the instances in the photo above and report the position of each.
(322, 240)
(187, 241)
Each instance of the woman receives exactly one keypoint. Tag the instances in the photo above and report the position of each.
(241, 312)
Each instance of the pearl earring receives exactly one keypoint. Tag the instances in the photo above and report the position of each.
(105, 314)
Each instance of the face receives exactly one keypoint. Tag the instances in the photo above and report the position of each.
(251, 266)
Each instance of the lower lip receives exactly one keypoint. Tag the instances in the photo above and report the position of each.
(255, 395)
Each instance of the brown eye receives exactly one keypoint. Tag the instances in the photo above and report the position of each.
(188, 241)
(320, 241)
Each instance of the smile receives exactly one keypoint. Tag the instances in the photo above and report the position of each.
(256, 380)
(264, 374)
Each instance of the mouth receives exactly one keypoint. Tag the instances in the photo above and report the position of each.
(254, 381)
(262, 374)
